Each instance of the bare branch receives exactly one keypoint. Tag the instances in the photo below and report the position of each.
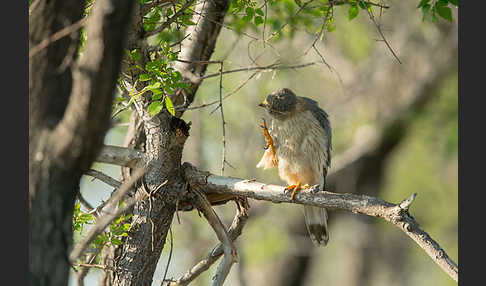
(286, 23)
(223, 157)
(234, 231)
(121, 156)
(105, 220)
(378, 28)
(226, 96)
(395, 213)
(170, 20)
(268, 67)
(56, 36)
(103, 177)
(230, 255)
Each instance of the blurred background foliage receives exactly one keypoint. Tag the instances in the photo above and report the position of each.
(366, 89)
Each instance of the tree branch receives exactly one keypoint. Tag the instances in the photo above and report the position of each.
(229, 250)
(105, 220)
(234, 231)
(397, 214)
(103, 177)
(121, 156)
(170, 20)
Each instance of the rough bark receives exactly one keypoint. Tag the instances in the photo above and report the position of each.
(68, 119)
(165, 137)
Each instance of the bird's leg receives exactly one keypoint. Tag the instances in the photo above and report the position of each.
(295, 188)
(269, 142)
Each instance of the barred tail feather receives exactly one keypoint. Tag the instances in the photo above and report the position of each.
(316, 222)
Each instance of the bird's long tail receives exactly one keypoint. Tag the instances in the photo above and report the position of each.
(316, 222)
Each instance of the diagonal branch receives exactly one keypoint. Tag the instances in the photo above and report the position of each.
(234, 231)
(103, 177)
(170, 20)
(378, 28)
(229, 250)
(105, 220)
(397, 214)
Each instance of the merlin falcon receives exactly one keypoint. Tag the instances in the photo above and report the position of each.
(298, 143)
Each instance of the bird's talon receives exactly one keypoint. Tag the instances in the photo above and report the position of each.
(294, 189)
(288, 188)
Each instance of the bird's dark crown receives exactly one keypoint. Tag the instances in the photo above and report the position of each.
(280, 102)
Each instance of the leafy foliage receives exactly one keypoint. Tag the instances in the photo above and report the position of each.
(281, 18)
(80, 218)
(431, 9)
(117, 230)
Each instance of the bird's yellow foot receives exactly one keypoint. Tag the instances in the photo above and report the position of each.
(295, 188)
(269, 142)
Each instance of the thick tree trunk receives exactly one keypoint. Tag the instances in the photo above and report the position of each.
(69, 115)
(165, 137)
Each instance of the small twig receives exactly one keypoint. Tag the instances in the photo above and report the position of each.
(105, 220)
(57, 36)
(103, 177)
(222, 25)
(170, 20)
(84, 202)
(262, 68)
(329, 11)
(170, 253)
(378, 28)
(286, 23)
(161, 3)
(226, 96)
(264, 22)
(223, 156)
(177, 212)
(99, 266)
(331, 68)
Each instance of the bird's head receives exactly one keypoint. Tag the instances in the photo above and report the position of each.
(280, 104)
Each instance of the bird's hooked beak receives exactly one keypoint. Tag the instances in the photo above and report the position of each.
(263, 104)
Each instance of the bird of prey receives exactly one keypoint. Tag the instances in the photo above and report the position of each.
(298, 143)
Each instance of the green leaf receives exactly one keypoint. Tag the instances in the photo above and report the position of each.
(442, 2)
(444, 12)
(135, 55)
(168, 89)
(155, 107)
(364, 5)
(169, 106)
(453, 2)
(259, 12)
(353, 12)
(258, 20)
(156, 94)
(250, 12)
(422, 3)
(188, 22)
(144, 77)
(116, 241)
(152, 86)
